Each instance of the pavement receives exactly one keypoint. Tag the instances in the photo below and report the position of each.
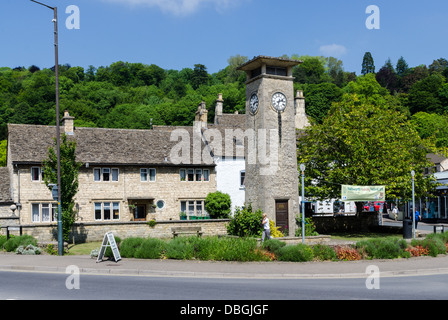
(213, 269)
(218, 269)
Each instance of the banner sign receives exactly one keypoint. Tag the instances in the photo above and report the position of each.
(363, 193)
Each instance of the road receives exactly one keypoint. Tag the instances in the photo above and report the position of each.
(50, 286)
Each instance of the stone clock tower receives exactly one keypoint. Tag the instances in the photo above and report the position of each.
(271, 156)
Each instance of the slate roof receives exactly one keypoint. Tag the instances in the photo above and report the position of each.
(30, 143)
(5, 194)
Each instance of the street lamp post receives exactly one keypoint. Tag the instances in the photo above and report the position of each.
(302, 168)
(58, 142)
(413, 203)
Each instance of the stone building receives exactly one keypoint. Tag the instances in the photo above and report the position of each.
(129, 177)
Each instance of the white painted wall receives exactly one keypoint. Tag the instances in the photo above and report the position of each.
(228, 179)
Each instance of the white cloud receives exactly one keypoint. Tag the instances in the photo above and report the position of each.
(177, 7)
(333, 50)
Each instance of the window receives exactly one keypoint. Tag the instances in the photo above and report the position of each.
(106, 174)
(190, 175)
(114, 174)
(107, 211)
(206, 175)
(194, 174)
(96, 174)
(198, 175)
(147, 175)
(193, 208)
(35, 174)
(160, 204)
(152, 174)
(242, 178)
(44, 212)
(279, 71)
(143, 175)
(182, 175)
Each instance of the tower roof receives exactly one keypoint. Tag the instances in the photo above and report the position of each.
(258, 61)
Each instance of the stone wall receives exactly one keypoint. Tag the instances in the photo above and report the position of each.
(343, 223)
(94, 231)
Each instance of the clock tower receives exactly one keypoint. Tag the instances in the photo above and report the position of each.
(271, 156)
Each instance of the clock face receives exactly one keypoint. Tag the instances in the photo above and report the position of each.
(279, 101)
(253, 103)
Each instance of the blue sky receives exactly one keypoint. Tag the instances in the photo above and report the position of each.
(176, 34)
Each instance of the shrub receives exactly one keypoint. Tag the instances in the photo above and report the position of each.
(275, 232)
(13, 243)
(273, 245)
(180, 248)
(150, 248)
(310, 228)
(297, 253)
(382, 248)
(417, 251)
(245, 223)
(347, 253)
(218, 204)
(129, 246)
(323, 252)
(435, 246)
(29, 249)
(237, 249)
(2, 241)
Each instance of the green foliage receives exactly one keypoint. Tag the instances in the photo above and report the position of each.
(150, 248)
(310, 228)
(181, 248)
(324, 253)
(273, 245)
(69, 179)
(14, 242)
(296, 253)
(28, 250)
(364, 141)
(129, 246)
(218, 205)
(368, 66)
(383, 248)
(245, 223)
(3, 151)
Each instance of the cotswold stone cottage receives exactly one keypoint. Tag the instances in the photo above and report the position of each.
(128, 177)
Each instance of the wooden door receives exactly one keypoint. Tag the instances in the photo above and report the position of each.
(281, 214)
(140, 212)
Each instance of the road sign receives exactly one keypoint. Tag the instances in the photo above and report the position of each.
(109, 241)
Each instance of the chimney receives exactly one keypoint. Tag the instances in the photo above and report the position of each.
(200, 119)
(218, 108)
(67, 123)
(301, 119)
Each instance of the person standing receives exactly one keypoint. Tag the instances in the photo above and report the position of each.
(266, 228)
(417, 217)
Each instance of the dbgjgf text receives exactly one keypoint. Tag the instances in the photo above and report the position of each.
(229, 309)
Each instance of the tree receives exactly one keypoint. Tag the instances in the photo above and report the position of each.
(218, 204)
(387, 77)
(402, 67)
(199, 76)
(69, 179)
(432, 126)
(319, 98)
(364, 143)
(3, 151)
(368, 65)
